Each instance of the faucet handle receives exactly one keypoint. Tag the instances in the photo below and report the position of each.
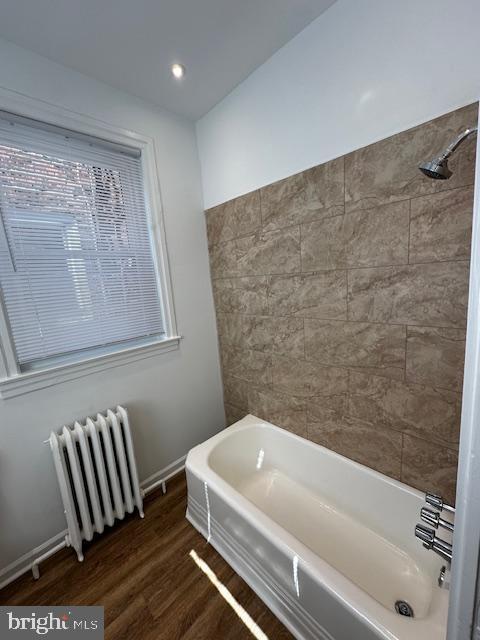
(426, 535)
(433, 518)
(430, 541)
(437, 502)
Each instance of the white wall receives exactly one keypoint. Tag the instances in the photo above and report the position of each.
(362, 71)
(175, 398)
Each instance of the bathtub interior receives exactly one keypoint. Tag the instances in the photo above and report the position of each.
(358, 521)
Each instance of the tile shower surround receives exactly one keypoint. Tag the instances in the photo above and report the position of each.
(341, 298)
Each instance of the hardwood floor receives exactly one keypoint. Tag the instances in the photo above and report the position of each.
(141, 572)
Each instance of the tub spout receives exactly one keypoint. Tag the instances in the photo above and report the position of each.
(444, 578)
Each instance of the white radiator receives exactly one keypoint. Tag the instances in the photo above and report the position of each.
(97, 474)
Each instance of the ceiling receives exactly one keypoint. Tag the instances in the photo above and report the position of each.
(130, 44)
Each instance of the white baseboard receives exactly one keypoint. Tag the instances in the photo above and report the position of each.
(23, 564)
(164, 474)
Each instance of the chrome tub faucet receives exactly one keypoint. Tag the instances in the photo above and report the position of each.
(430, 541)
(438, 503)
(433, 518)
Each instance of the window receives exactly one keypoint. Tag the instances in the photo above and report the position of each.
(78, 274)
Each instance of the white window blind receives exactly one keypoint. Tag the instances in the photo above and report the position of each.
(76, 264)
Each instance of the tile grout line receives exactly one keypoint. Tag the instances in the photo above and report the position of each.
(378, 205)
(365, 371)
(260, 207)
(415, 197)
(347, 301)
(314, 272)
(324, 319)
(300, 249)
(409, 229)
(304, 342)
(279, 389)
(349, 384)
(346, 257)
(261, 229)
(401, 457)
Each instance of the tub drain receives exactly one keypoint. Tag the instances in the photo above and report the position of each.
(403, 608)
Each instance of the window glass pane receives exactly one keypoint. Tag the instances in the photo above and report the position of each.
(76, 264)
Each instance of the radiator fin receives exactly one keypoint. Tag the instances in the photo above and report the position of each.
(111, 467)
(101, 472)
(122, 462)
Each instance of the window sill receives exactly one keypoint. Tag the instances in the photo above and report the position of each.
(32, 381)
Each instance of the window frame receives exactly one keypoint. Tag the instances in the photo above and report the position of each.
(13, 381)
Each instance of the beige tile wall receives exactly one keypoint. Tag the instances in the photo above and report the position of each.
(341, 298)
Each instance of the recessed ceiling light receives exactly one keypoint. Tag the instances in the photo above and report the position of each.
(178, 70)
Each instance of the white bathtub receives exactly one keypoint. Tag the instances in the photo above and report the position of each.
(327, 543)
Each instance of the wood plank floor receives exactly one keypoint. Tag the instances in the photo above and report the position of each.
(141, 572)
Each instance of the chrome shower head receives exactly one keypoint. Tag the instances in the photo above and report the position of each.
(437, 169)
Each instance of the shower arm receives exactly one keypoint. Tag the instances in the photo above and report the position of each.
(457, 142)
